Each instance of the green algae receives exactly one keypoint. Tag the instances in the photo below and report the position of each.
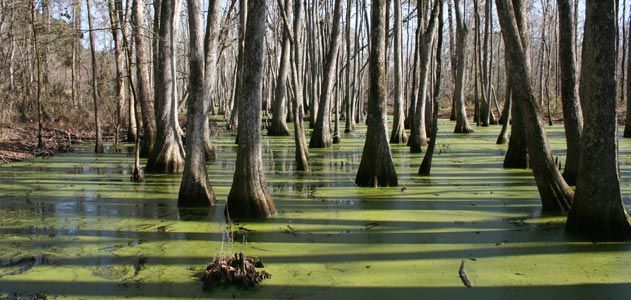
(103, 236)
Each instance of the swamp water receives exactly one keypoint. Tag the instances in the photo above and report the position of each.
(74, 226)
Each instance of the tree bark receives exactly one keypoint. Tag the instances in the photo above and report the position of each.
(418, 132)
(572, 116)
(597, 212)
(144, 94)
(398, 135)
(462, 124)
(195, 189)
(249, 197)
(321, 136)
(98, 147)
(426, 165)
(302, 153)
(167, 155)
(211, 39)
(278, 126)
(376, 167)
(556, 195)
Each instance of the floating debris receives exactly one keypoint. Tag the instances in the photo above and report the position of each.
(463, 275)
(237, 270)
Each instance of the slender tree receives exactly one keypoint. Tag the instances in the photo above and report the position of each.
(426, 164)
(302, 152)
(572, 116)
(195, 189)
(278, 126)
(418, 132)
(597, 211)
(98, 147)
(167, 155)
(462, 124)
(398, 135)
(321, 135)
(556, 195)
(249, 197)
(144, 94)
(376, 167)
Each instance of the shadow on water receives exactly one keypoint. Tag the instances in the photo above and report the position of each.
(76, 226)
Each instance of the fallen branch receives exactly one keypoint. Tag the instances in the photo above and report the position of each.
(463, 275)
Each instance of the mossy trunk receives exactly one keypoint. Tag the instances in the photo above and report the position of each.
(376, 167)
(248, 197)
(597, 212)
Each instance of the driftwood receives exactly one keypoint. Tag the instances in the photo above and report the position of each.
(237, 270)
(463, 275)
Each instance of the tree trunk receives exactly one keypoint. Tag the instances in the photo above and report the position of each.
(426, 164)
(119, 62)
(167, 155)
(249, 197)
(418, 132)
(211, 39)
(278, 126)
(597, 212)
(321, 136)
(572, 116)
(517, 155)
(76, 53)
(98, 147)
(462, 124)
(627, 126)
(195, 190)
(376, 167)
(144, 94)
(398, 135)
(556, 195)
(302, 154)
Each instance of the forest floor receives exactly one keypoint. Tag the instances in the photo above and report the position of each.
(18, 141)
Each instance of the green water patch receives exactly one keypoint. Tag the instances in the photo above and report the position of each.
(75, 226)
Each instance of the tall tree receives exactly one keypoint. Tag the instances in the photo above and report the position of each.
(376, 167)
(321, 135)
(462, 124)
(278, 126)
(98, 147)
(76, 52)
(426, 164)
(302, 152)
(597, 211)
(211, 39)
(119, 62)
(195, 189)
(167, 155)
(418, 132)
(144, 94)
(555, 194)
(398, 134)
(572, 116)
(249, 197)
(517, 155)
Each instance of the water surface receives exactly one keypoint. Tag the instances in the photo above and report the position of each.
(74, 226)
